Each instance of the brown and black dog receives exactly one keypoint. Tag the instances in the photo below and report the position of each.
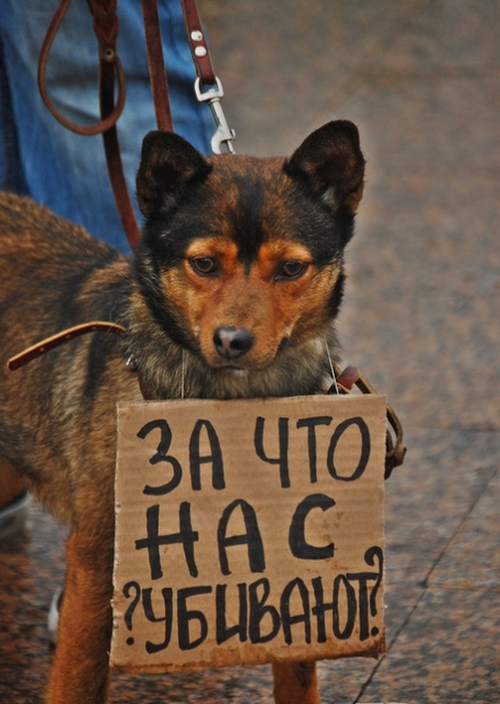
(232, 293)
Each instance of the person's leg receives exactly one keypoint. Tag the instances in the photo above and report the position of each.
(65, 171)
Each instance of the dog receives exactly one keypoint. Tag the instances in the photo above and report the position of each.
(232, 293)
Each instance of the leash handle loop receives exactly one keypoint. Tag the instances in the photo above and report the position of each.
(105, 22)
(106, 29)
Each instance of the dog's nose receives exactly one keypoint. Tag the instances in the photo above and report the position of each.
(231, 342)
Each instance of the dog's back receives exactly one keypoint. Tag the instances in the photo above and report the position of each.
(55, 275)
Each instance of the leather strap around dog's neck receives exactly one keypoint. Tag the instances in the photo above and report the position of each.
(50, 343)
(395, 447)
(344, 381)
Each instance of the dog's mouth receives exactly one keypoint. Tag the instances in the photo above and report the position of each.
(239, 368)
(235, 371)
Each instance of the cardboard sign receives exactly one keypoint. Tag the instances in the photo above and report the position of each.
(248, 531)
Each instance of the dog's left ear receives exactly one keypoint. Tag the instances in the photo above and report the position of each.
(332, 162)
(169, 165)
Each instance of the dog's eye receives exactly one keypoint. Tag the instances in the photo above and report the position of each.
(291, 270)
(205, 266)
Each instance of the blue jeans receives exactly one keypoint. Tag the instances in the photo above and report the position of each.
(60, 169)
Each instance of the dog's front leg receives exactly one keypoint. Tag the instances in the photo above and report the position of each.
(295, 683)
(80, 673)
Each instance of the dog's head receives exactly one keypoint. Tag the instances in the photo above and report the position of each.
(241, 260)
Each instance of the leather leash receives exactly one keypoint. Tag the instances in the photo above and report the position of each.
(208, 88)
(106, 30)
(156, 63)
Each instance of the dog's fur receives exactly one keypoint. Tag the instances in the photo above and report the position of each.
(232, 294)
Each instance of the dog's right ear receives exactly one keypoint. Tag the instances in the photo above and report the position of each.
(169, 164)
(331, 161)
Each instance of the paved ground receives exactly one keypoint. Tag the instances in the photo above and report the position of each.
(421, 320)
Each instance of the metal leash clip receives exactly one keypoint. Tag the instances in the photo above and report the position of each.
(224, 134)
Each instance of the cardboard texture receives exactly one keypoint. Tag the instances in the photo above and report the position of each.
(248, 531)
